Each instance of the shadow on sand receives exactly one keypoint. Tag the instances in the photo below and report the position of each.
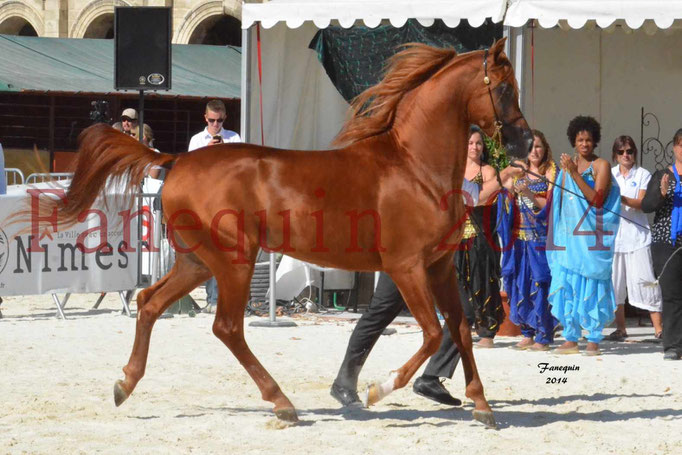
(505, 417)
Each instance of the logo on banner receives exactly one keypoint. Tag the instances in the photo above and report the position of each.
(4, 250)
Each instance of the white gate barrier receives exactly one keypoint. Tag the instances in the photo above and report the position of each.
(97, 255)
(14, 176)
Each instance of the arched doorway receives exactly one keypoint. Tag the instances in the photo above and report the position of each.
(218, 30)
(102, 27)
(17, 26)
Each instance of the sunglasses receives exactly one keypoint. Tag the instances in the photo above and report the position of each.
(626, 151)
(214, 120)
(126, 119)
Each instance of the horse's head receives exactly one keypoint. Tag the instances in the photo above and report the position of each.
(494, 102)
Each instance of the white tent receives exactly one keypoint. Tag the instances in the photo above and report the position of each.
(303, 110)
(301, 107)
(605, 12)
(371, 12)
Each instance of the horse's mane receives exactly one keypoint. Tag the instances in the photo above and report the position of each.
(373, 111)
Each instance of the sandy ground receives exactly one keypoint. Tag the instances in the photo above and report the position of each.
(57, 379)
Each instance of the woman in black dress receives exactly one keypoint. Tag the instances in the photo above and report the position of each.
(664, 196)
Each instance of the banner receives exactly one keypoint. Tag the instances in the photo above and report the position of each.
(97, 255)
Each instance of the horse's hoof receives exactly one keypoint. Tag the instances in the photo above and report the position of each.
(372, 395)
(286, 414)
(120, 393)
(486, 418)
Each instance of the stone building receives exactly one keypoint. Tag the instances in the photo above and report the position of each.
(194, 22)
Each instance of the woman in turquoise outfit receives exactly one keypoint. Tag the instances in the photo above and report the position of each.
(580, 244)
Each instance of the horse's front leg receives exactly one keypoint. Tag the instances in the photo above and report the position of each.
(186, 274)
(415, 289)
(446, 292)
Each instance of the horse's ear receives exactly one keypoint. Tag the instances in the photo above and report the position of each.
(497, 48)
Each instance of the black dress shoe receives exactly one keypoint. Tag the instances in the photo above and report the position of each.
(345, 396)
(671, 355)
(430, 387)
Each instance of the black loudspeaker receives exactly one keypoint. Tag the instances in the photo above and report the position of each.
(142, 49)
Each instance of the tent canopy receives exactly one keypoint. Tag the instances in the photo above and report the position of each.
(87, 66)
(514, 12)
(604, 12)
(372, 12)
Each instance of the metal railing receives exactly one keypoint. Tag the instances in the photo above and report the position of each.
(14, 176)
(152, 240)
(40, 177)
(661, 154)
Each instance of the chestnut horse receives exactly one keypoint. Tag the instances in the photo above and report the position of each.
(387, 199)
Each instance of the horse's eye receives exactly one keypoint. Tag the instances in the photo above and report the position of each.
(505, 89)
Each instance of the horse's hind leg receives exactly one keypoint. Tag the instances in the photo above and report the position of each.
(444, 286)
(144, 295)
(416, 291)
(233, 292)
(186, 274)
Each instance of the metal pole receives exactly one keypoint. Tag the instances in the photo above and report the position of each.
(641, 137)
(245, 103)
(272, 322)
(137, 207)
(321, 289)
(156, 241)
(273, 272)
(138, 200)
(140, 117)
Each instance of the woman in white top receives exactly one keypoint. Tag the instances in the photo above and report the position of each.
(632, 265)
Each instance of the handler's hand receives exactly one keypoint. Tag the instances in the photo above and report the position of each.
(511, 171)
(508, 173)
(521, 187)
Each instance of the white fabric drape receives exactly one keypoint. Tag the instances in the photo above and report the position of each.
(301, 107)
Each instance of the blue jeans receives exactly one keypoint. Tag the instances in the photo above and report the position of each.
(212, 291)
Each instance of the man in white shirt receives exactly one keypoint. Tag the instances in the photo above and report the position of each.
(213, 134)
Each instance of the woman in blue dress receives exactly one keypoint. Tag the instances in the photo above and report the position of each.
(584, 221)
(523, 230)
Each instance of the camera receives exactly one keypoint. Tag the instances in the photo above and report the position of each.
(218, 137)
(100, 112)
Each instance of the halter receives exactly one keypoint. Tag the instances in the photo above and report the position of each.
(497, 135)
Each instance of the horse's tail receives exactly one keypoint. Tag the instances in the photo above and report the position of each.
(105, 156)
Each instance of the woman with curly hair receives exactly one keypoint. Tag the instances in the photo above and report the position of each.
(525, 270)
(584, 223)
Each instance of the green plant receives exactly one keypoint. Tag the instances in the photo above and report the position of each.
(497, 154)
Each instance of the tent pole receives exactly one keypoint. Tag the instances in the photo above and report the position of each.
(245, 103)
(272, 322)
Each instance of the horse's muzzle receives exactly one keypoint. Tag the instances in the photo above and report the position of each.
(518, 139)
